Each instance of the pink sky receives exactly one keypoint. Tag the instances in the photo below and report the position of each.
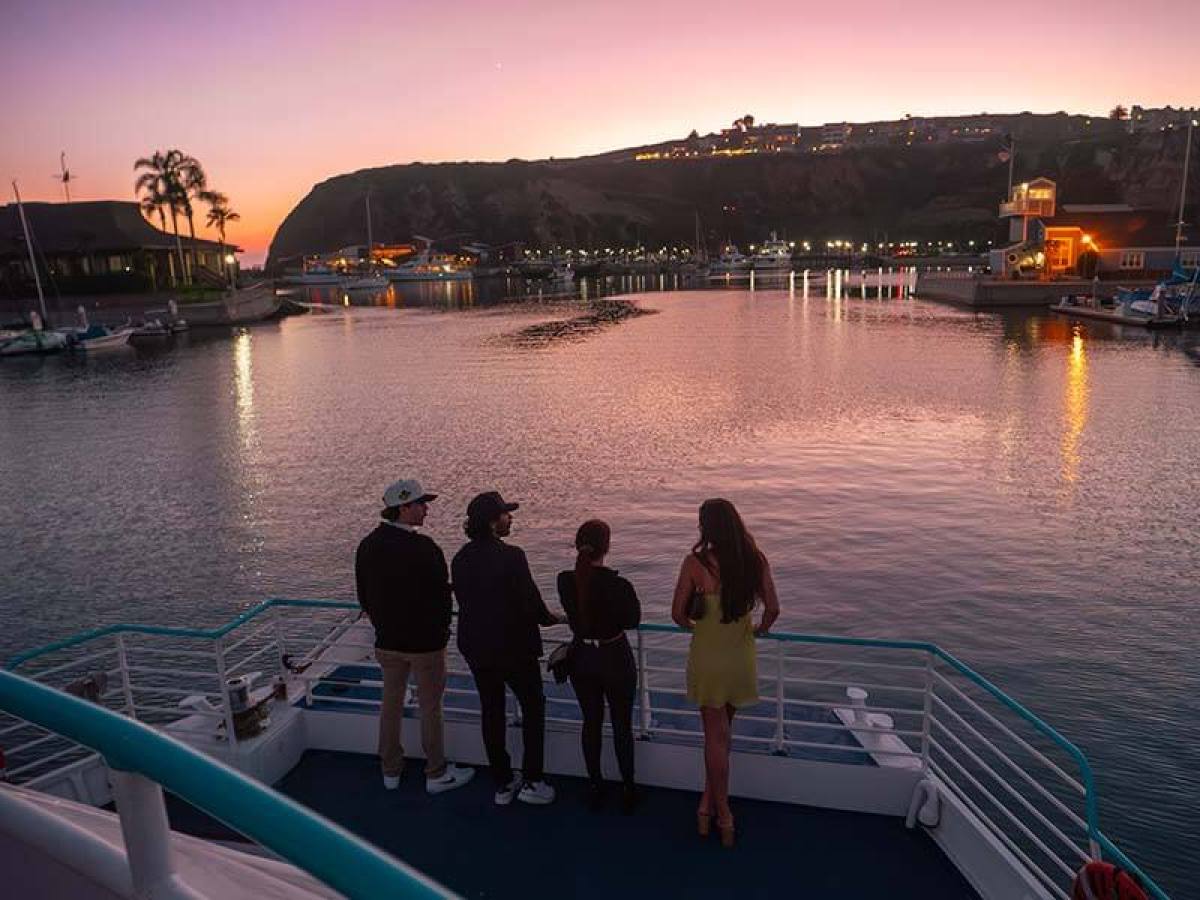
(273, 97)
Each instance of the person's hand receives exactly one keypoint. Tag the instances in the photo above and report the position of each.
(761, 629)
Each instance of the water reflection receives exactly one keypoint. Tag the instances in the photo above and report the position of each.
(1075, 408)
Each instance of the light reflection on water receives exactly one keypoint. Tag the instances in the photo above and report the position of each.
(1008, 485)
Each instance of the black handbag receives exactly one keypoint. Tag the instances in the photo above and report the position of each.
(561, 661)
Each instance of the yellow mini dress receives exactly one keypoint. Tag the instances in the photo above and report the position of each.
(722, 662)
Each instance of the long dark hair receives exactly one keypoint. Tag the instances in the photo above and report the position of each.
(740, 562)
(591, 542)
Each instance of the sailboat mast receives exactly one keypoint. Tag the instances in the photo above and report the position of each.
(1187, 159)
(370, 236)
(37, 279)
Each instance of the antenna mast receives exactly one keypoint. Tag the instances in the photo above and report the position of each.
(64, 175)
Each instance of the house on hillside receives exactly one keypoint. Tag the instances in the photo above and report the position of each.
(1109, 240)
(99, 247)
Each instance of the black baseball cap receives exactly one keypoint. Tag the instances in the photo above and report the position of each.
(489, 506)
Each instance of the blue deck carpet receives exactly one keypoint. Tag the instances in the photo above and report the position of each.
(462, 839)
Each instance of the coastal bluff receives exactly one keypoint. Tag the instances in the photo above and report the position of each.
(613, 200)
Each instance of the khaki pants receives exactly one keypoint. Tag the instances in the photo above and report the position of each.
(429, 669)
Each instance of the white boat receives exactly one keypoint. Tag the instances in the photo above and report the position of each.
(314, 276)
(240, 307)
(36, 339)
(367, 283)
(103, 338)
(87, 336)
(427, 266)
(773, 255)
(730, 262)
(853, 741)
(33, 341)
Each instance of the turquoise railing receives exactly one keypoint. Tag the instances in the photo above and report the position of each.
(1085, 769)
(325, 850)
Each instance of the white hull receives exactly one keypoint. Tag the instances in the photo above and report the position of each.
(453, 275)
(238, 308)
(33, 342)
(113, 341)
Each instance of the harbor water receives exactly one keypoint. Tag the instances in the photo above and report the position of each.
(1020, 489)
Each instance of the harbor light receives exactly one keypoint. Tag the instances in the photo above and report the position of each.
(230, 259)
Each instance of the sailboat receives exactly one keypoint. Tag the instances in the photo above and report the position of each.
(35, 339)
(698, 264)
(372, 280)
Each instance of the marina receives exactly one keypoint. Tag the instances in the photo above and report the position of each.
(876, 486)
(714, 486)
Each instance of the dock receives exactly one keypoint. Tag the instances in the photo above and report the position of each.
(972, 289)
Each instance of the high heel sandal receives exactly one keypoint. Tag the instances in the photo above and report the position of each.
(703, 823)
(726, 831)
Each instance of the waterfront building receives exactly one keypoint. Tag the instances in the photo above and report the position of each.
(1103, 239)
(99, 247)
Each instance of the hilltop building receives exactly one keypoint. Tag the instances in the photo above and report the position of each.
(98, 247)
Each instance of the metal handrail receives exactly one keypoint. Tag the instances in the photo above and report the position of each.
(327, 851)
(1099, 842)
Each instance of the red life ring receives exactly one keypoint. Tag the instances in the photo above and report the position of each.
(1104, 881)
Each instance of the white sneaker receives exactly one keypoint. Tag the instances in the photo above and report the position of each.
(536, 792)
(391, 782)
(506, 794)
(452, 778)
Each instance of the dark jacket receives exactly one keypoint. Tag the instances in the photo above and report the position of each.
(613, 604)
(404, 589)
(499, 606)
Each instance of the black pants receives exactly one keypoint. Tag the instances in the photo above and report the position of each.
(525, 679)
(607, 673)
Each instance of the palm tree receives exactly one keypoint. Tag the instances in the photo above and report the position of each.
(161, 186)
(193, 183)
(219, 214)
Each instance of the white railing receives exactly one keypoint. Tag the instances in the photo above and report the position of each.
(838, 700)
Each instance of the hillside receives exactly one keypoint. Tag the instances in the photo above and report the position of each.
(945, 190)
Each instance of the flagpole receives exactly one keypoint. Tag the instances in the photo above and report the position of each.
(1012, 158)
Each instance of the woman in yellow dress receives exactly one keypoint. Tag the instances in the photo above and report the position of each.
(722, 580)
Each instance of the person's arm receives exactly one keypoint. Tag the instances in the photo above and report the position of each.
(770, 600)
(629, 613)
(566, 597)
(360, 578)
(684, 588)
(530, 596)
(441, 581)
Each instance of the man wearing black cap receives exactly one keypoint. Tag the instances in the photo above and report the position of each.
(499, 611)
(403, 587)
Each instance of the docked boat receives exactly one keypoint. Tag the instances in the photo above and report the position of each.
(869, 768)
(730, 262)
(427, 266)
(773, 255)
(89, 336)
(313, 276)
(240, 307)
(100, 337)
(372, 282)
(32, 341)
(1139, 307)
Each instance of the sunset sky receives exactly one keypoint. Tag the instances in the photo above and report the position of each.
(273, 97)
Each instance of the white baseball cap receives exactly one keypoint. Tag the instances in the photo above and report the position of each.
(404, 492)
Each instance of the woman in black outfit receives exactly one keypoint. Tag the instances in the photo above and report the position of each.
(600, 606)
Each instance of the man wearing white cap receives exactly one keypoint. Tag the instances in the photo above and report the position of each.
(404, 588)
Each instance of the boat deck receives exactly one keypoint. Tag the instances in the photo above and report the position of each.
(463, 840)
